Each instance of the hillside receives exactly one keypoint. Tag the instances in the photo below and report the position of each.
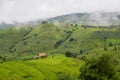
(9, 37)
(19, 46)
(39, 70)
(51, 38)
(29, 41)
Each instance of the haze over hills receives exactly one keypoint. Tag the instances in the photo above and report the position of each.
(6, 25)
(94, 18)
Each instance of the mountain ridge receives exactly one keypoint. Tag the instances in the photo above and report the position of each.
(94, 18)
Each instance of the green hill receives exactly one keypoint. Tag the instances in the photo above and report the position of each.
(51, 38)
(18, 47)
(9, 37)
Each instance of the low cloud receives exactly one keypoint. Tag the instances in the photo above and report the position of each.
(26, 10)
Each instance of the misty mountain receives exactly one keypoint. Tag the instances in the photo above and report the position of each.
(94, 18)
(6, 25)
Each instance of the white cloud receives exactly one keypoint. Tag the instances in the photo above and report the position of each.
(25, 10)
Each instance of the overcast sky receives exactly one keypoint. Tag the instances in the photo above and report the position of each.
(26, 10)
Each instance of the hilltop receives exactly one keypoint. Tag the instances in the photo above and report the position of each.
(93, 18)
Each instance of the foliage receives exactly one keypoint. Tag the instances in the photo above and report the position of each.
(71, 39)
(110, 44)
(68, 54)
(81, 51)
(58, 43)
(102, 68)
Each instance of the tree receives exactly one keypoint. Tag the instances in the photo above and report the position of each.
(44, 22)
(102, 68)
(58, 43)
(68, 54)
(110, 44)
(76, 25)
(105, 41)
(81, 51)
(71, 24)
(71, 39)
(115, 48)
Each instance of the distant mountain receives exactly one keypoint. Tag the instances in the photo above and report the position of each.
(6, 25)
(94, 18)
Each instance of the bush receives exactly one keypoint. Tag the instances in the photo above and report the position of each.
(110, 44)
(44, 22)
(71, 39)
(81, 51)
(58, 43)
(76, 25)
(68, 54)
(102, 68)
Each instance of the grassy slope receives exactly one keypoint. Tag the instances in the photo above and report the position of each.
(79, 36)
(91, 38)
(42, 38)
(9, 37)
(49, 68)
(28, 42)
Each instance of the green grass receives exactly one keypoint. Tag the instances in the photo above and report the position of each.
(9, 37)
(41, 69)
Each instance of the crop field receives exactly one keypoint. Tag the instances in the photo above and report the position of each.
(51, 68)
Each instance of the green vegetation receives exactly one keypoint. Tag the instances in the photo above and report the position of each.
(41, 69)
(102, 68)
(69, 46)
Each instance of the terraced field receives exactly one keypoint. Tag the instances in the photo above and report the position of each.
(52, 68)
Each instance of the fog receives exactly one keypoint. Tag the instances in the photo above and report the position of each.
(27, 10)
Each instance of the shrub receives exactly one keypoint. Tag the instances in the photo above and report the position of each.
(102, 68)
(105, 48)
(76, 25)
(115, 49)
(71, 24)
(81, 51)
(110, 44)
(58, 43)
(37, 42)
(44, 22)
(68, 54)
(71, 39)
